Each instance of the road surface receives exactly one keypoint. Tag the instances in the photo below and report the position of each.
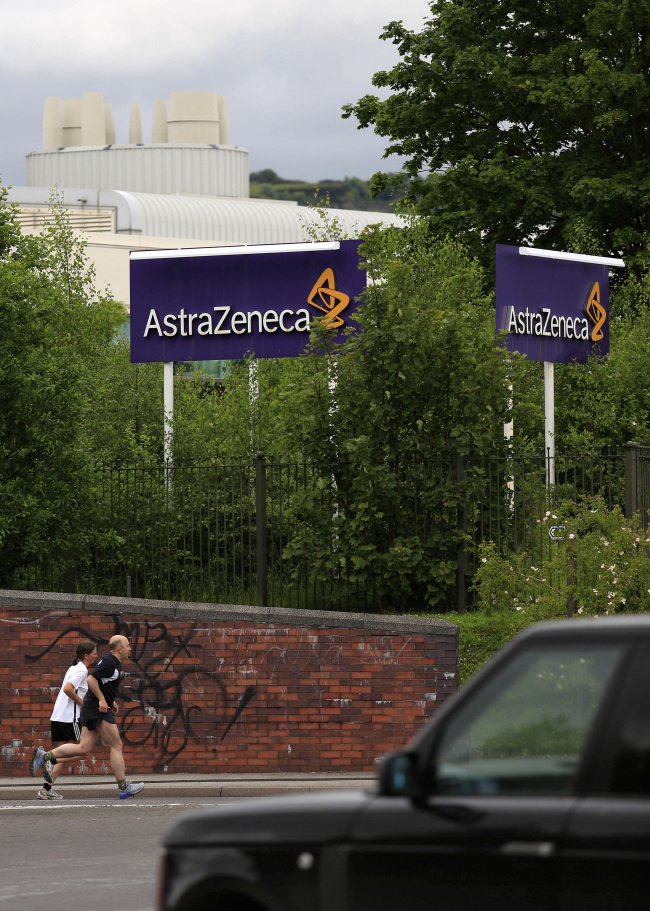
(99, 854)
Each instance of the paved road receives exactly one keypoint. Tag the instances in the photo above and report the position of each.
(101, 854)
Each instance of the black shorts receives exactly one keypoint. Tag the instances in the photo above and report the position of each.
(61, 731)
(91, 718)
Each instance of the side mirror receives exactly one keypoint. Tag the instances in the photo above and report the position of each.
(399, 776)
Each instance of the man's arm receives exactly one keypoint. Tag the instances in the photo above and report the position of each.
(93, 686)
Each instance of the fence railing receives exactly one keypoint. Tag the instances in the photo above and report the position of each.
(279, 532)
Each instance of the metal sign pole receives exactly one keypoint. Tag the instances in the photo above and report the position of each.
(168, 405)
(549, 421)
(253, 398)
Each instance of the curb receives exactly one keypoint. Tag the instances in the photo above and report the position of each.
(197, 786)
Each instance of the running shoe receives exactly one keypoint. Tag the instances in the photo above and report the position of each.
(48, 770)
(131, 789)
(49, 795)
(36, 762)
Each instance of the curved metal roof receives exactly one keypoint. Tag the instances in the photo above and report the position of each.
(245, 221)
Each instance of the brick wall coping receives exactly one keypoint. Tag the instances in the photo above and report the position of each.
(187, 610)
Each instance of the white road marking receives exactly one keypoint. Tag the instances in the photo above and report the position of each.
(95, 806)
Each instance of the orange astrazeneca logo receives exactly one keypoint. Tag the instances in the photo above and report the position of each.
(595, 311)
(332, 302)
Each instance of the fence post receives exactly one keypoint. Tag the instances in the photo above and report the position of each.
(260, 529)
(461, 525)
(631, 478)
(69, 581)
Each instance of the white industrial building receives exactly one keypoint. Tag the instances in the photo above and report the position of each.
(189, 187)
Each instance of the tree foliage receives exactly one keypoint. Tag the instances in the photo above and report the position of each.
(55, 328)
(349, 193)
(517, 121)
(422, 380)
(424, 372)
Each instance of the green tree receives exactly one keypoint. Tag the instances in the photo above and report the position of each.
(125, 420)
(54, 328)
(385, 415)
(423, 373)
(349, 193)
(518, 120)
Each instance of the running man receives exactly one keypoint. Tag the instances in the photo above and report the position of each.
(97, 719)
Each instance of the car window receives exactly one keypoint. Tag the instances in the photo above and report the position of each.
(525, 730)
(631, 739)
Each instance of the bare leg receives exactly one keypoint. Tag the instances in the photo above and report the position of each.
(111, 737)
(70, 751)
(60, 767)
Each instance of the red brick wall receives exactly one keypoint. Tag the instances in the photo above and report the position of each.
(325, 698)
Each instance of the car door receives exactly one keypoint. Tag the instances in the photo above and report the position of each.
(500, 775)
(605, 857)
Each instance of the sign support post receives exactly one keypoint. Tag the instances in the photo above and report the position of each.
(168, 406)
(549, 421)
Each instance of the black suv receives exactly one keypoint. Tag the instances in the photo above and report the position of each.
(530, 790)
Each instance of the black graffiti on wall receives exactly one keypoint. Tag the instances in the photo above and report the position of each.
(166, 703)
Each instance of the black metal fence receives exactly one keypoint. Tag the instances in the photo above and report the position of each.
(287, 533)
(510, 496)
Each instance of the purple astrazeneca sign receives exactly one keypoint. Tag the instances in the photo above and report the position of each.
(225, 303)
(551, 309)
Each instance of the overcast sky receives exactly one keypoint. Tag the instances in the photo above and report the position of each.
(286, 68)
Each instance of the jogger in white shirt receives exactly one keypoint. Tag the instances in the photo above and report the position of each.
(64, 721)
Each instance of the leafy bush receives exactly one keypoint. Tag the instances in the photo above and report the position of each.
(600, 566)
